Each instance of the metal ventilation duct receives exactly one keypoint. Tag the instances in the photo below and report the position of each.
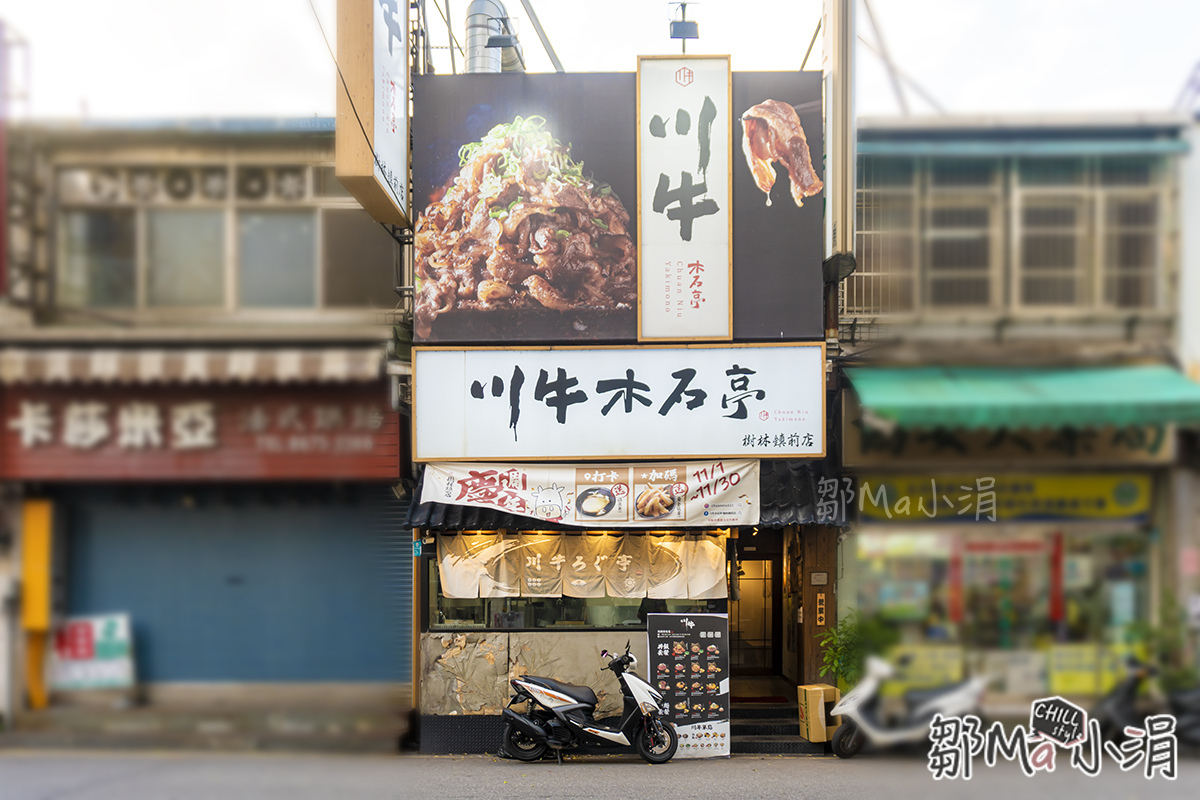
(483, 21)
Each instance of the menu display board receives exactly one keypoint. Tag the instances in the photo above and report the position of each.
(689, 664)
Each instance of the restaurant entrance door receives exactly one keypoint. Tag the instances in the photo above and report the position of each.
(755, 619)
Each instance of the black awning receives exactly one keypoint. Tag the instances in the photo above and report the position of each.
(788, 490)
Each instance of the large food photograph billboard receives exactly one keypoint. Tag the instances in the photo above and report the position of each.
(525, 189)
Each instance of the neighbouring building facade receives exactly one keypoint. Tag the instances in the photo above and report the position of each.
(199, 437)
(1019, 428)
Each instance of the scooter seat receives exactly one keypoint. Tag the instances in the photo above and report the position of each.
(918, 697)
(580, 694)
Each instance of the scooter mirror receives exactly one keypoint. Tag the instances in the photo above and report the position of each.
(627, 646)
(604, 654)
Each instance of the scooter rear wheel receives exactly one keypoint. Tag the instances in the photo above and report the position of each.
(520, 746)
(657, 752)
(847, 741)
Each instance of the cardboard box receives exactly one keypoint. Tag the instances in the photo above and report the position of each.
(816, 700)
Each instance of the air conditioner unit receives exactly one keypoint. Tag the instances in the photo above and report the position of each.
(143, 184)
(214, 183)
(180, 183)
(289, 183)
(252, 183)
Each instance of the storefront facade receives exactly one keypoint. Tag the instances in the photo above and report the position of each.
(239, 526)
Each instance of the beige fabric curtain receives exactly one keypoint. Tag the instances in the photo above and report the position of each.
(541, 565)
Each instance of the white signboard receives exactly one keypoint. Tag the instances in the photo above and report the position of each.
(720, 493)
(372, 106)
(93, 653)
(700, 401)
(685, 198)
(390, 134)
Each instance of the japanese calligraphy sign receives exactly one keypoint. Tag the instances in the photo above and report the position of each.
(603, 403)
(372, 134)
(718, 494)
(526, 564)
(689, 663)
(685, 200)
(162, 433)
(93, 653)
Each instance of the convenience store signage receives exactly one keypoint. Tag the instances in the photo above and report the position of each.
(93, 653)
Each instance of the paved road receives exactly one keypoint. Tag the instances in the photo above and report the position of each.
(175, 776)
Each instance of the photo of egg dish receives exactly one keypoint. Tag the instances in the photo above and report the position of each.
(681, 707)
(678, 649)
(712, 668)
(695, 649)
(698, 707)
(713, 651)
(681, 686)
(696, 668)
(696, 686)
(715, 707)
(712, 687)
(595, 502)
(663, 686)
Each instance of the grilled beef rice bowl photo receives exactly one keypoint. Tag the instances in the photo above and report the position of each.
(522, 228)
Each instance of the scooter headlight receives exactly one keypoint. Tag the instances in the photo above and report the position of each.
(648, 707)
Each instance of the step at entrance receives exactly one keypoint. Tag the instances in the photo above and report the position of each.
(768, 729)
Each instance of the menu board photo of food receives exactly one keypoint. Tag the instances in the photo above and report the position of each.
(689, 663)
(659, 493)
(601, 495)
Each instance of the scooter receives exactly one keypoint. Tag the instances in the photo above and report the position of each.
(560, 716)
(1119, 709)
(861, 722)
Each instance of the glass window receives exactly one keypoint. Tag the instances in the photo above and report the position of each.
(277, 259)
(97, 259)
(326, 184)
(359, 260)
(186, 265)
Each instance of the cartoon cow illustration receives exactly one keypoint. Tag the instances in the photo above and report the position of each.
(548, 504)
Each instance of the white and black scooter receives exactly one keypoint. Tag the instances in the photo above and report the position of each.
(859, 710)
(560, 716)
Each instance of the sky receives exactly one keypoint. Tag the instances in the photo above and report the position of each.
(115, 59)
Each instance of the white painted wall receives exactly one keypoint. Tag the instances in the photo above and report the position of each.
(1189, 261)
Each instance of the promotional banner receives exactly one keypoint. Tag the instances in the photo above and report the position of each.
(718, 494)
(525, 192)
(602, 403)
(668, 567)
(93, 653)
(689, 663)
(685, 200)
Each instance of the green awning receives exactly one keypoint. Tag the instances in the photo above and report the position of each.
(1032, 397)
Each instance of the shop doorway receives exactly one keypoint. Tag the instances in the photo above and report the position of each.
(755, 622)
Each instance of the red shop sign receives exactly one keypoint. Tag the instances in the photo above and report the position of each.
(210, 432)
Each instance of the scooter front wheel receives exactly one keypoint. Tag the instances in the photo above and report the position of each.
(847, 741)
(522, 747)
(657, 749)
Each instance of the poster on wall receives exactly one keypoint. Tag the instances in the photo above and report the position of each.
(689, 664)
(93, 653)
(702, 401)
(685, 201)
(718, 494)
(525, 196)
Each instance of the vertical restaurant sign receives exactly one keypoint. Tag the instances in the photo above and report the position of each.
(372, 120)
(689, 664)
(719, 493)
(685, 198)
(698, 401)
(93, 653)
